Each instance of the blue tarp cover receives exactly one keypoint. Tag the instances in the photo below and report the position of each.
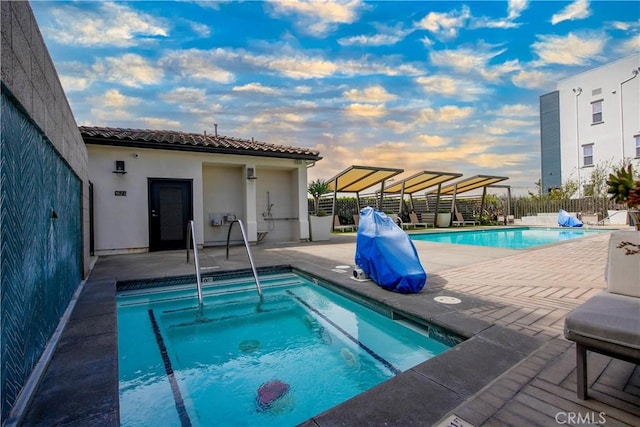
(387, 255)
(566, 220)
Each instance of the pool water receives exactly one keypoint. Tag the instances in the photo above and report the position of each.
(299, 352)
(511, 238)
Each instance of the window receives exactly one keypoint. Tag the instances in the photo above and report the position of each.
(596, 112)
(587, 155)
(637, 145)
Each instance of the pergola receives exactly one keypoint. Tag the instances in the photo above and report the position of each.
(355, 179)
(469, 184)
(418, 182)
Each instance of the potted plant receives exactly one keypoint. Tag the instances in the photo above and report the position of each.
(320, 223)
(623, 263)
(624, 187)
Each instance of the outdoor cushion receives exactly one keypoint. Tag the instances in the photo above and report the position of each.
(606, 318)
(623, 270)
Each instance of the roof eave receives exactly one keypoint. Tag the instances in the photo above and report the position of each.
(198, 148)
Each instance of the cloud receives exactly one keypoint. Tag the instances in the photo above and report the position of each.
(159, 123)
(374, 94)
(461, 89)
(114, 99)
(446, 114)
(386, 36)
(398, 126)
(518, 110)
(273, 122)
(319, 17)
(579, 9)
(516, 7)
(112, 106)
(572, 49)
(534, 79)
(185, 95)
(72, 83)
(256, 88)
(201, 30)
(368, 111)
(431, 141)
(374, 40)
(197, 64)
(630, 45)
(129, 70)
(445, 26)
(514, 10)
(298, 65)
(106, 24)
(474, 60)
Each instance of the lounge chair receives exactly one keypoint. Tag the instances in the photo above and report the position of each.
(608, 322)
(459, 221)
(339, 227)
(416, 223)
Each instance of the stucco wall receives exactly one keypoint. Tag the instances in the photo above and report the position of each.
(121, 223)
(620, 113)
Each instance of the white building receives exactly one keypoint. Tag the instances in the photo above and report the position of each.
(592, 118)
(146, 186)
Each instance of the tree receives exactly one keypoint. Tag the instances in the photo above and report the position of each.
(317, 188)
(597, 184)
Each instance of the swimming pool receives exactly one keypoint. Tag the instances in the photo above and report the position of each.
(300, 351)
(510, 238)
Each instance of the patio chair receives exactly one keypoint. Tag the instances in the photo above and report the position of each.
(339, 227)
(459, 221)
(416, 222)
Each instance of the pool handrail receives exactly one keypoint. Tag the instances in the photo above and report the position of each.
(191, 236)
(246, 245)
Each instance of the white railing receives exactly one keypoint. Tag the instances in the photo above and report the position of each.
(246, 245)
(191, 237)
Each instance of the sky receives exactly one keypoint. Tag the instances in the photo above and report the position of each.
(419, 85)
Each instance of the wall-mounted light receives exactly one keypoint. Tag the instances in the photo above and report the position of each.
(251, 173)
(120, 167)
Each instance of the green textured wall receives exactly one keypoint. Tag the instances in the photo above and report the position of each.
(41, 258)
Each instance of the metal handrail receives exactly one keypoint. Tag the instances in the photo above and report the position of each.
(191, 236)
(246, 245)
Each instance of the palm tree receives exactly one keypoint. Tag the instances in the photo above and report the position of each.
(317, 188)
(624, 188)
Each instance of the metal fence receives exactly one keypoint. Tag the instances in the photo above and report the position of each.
(470, 207)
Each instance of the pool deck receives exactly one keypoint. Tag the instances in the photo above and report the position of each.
(514, 369)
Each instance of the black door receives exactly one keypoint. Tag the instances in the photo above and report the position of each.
(170, 208)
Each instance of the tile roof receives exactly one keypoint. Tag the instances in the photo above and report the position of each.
(174, 140)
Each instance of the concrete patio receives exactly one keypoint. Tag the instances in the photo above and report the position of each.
(515, 368)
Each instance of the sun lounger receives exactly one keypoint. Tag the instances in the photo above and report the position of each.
(339, 227)
(459, 221)
(416, 223)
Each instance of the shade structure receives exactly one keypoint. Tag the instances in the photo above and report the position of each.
(469, 184)
(420, 181)
(355, 179)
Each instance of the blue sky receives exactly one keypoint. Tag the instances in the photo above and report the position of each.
(420, 85)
